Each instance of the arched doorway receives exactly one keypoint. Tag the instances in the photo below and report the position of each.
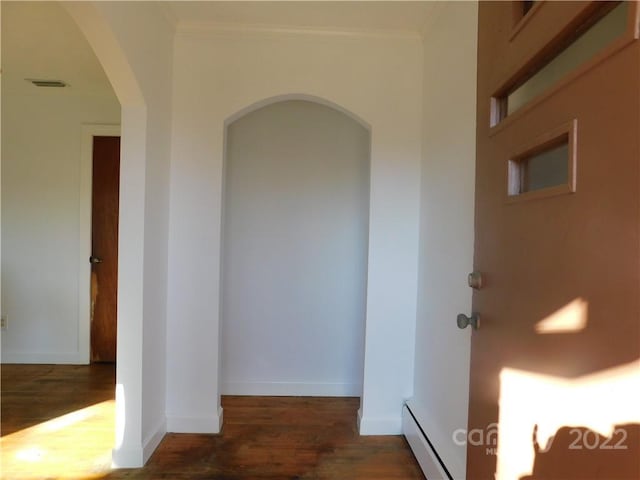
(294, 255)
(129, 450)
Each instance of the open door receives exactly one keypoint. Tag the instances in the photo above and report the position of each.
(555, 372)
(104, 247)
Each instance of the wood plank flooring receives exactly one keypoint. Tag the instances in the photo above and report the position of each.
(57, 422)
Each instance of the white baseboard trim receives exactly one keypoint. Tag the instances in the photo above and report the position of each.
(379, 426)
(73, 358)
(138, 457)
(292, 389)
(193, 424)
(127, 458)
(427, 457)
(154, 438)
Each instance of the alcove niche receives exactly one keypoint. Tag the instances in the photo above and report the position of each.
(294, 251)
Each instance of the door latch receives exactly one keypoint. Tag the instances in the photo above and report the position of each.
(474, 280)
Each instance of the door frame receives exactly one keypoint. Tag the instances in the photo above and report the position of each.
(84, 241)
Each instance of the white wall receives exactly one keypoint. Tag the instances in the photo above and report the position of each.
(296, 212)
(441, 394)
(42, 227)
(221, 72)
(147, 39)
(133, 41)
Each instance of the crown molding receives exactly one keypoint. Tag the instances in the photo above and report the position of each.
(434, 15)
(204, 28)
(169, 15)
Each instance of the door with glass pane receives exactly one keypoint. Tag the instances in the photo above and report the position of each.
(555, 370)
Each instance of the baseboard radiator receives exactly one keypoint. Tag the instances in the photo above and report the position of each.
(427, 456)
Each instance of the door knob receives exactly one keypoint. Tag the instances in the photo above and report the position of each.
(94, 260)
(464, 321)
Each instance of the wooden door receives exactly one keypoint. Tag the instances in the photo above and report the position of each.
(555, 377)
(104, 258)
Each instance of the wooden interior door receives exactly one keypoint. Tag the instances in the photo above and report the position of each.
(104, 257)
(555, 376)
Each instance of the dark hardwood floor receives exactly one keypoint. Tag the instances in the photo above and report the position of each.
(57, 422)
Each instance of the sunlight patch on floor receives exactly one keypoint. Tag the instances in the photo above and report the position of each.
(75, 445)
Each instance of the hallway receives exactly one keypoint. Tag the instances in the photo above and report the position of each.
(57, 422)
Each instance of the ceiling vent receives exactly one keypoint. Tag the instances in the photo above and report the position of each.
(48, 83)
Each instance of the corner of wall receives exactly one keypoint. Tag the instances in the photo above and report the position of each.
(130, 458)
(195, 424)
(368, 425)
(153, 439)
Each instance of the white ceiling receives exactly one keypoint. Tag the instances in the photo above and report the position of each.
(40, 40)
(342, 15)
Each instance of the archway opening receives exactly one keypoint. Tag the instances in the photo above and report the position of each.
(61, 121)
(294, 251)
